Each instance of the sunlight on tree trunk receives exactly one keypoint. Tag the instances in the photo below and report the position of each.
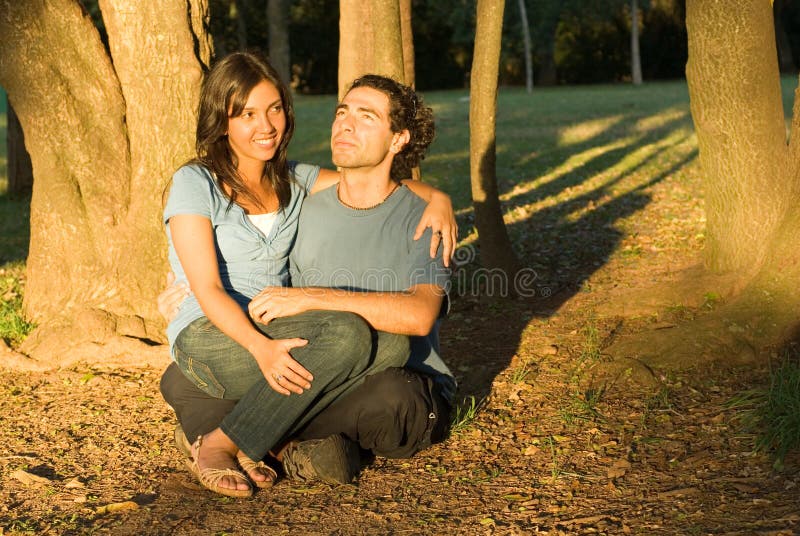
(370, 40)
(526, 42)
(98, 253)
(407, 35)
(735, 97)
(636, 58)
(496, 251)
(752, 189)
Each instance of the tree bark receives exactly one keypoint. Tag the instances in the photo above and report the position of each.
(735, 98)
(278, 20)
(496, 251)
(636, 58)
(20, 172)
(370, 40)
(97, 255)
(526, 41)
(407, 36)
(752, 190)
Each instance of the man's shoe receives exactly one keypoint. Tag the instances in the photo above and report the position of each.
(334, 460)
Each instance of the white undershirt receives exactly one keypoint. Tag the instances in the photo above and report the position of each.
(263, 222)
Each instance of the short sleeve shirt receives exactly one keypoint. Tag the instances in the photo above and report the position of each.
(248, 259)
(371, 250)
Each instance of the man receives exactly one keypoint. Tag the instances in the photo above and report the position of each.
(355, 252)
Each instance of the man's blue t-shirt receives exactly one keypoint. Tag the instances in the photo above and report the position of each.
(372, 250)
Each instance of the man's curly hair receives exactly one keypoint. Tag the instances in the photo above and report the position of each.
(406, 112)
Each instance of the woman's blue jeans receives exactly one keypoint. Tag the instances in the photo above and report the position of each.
(341, 351)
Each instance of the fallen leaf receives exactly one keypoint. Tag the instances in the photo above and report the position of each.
(74, 483)
(29, 479)
(117, 507)
(516, 497)
(619, 469)
(530, 450)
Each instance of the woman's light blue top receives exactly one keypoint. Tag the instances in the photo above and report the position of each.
(248, 259)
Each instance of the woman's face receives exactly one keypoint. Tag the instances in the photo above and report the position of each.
(256, 133)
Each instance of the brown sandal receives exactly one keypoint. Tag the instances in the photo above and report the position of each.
(250, 466)
(210, 477)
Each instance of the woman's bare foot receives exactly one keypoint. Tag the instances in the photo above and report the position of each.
(260, 473)
(214, 457)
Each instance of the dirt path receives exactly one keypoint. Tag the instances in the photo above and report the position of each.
(85, 451)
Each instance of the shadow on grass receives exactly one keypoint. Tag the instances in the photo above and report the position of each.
(564, 227)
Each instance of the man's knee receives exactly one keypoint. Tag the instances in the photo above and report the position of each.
(407, 415)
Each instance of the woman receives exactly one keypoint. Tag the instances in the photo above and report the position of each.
(231, 219)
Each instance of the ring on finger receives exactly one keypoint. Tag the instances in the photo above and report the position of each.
(277, 377)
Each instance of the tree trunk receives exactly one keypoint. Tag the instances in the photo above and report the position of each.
(496, 251)
(752, 191)
(98, 253)
(278, 21)
(526, 41)
(735, 97)
(407, 35)
(370, 40)
(20, 172)
(636, 59)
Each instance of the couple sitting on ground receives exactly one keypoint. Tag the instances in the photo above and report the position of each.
(316, 372)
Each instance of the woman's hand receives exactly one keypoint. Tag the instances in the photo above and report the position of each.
(276, 302)
(172, 297)
(282, 372)
(439, 216)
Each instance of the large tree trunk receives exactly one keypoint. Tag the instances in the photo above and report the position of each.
(98, 253)
(636, 57)
(735, 95)
(752, 192)
(20, 171)
(496, 251)
(370, 40)
(278, 20)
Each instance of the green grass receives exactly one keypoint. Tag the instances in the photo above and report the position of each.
(557, 131)
(568, 159)
(13, 326)
(466, 412)
(773, 412)
(14, 237)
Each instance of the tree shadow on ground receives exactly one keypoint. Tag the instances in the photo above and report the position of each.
(560, 245)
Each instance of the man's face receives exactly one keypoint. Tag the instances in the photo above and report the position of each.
(361, 135)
